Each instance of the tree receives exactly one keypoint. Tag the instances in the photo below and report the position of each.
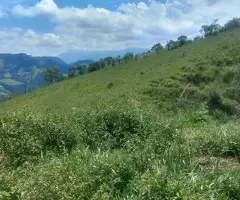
(231, 24)
(94, 66)
(113, 63)
(144, 55)
(197, 38)
(128, 56)
(108, 61)
(102, 63)
(157, 48)
(52, 75)
(72, 72)
(211, 30)
(182, 40)
(81, 70)
(169, 44)
(119, 59)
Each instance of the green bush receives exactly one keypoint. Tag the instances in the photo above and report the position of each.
(199, 78)
(229, 76)
(25, 137)
(216, 102)
(111, 128)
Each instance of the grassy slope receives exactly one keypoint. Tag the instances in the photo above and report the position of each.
(146, 152)
(127, 79)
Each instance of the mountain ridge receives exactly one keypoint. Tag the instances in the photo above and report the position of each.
(23, 69)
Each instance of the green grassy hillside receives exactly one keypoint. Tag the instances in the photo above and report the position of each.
(162, 127)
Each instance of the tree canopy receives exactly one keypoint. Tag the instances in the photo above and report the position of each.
(52, 74)
(157, 48)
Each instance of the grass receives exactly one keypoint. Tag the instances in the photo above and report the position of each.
(163, 127)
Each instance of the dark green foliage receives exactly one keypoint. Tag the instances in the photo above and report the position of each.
(211, 30)
(128, 56)
(111, 129)
(216, 102)
(72, 72)
(228, 76)
(233, 93)
(157, 48)
(231, 24)
(110, 85)
(52, 75)
(199, 78)
(26, 137)
(197, 38)
(182, 40)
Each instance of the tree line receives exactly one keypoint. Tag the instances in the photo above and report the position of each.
(52, 74)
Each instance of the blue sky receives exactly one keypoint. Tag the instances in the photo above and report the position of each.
(53, 27)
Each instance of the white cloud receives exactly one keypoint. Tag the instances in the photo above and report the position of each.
(18, 40)
(132, 25)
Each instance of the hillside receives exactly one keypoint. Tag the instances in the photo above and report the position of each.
(19, 70)
(161, 127)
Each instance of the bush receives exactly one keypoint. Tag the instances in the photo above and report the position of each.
(233, 93)
(112, 128)
(110, 85)
(26, 137)
(199, 78)
(229, 76)
(215, 102)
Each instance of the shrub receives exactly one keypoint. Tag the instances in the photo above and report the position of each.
(26, 137)
(233, 93)
(215, 102)
(110, 85)
(199, 78)
(229, 76)
(110, 129)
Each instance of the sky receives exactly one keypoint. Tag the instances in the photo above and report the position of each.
(53, 27)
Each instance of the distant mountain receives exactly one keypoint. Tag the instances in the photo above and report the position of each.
(72, 56)
(19, 70)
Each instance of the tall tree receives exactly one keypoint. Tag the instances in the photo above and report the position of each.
(119, 59)
(210, 30)
(231, 24)
(72, 72)
(128, 56)
(52, 74)
(169, 44)
(157, 48)
(182, 40)
(80, 70)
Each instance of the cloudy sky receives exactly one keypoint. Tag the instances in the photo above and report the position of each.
(52, 27)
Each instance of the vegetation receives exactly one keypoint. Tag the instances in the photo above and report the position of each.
(162, 126)
(52, 75)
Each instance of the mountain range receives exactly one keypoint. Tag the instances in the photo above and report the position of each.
(21, 72)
